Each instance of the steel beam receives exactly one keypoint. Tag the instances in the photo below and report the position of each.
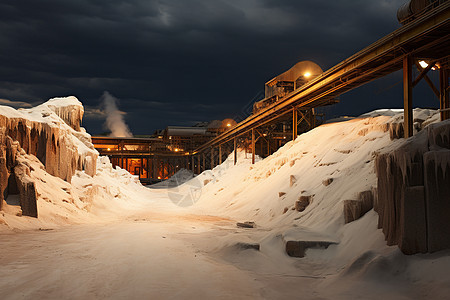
(155, 168)
(253, 146)
(368, 63)
(235, 152)
(220, 154)
(204, 161)
(294, 123)
(198, 164)
(443, 93)
(423, 72)
(424, 75)
(212, 158)
(407, 97)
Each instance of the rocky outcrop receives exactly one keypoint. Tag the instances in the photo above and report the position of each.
(355, 209)
(52, 133)
(302, 203)
(413, 197)
(70, 113)
(26, 188)
(298, 248)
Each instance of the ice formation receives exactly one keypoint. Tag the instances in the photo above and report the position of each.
(52, 133)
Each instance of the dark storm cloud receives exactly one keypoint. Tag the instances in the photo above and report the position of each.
(174, 62)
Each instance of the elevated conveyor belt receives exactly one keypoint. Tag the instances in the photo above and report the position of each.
(426, 37)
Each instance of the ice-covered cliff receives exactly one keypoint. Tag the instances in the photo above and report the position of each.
(51, 132)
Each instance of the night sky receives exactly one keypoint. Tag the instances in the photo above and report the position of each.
(184, 61)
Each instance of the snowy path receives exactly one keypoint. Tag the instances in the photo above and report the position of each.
(134, 259)
(181, 256)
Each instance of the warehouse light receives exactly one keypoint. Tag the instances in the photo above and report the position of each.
(307, 74)
(423, 64)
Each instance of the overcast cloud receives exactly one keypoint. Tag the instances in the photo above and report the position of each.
(177, 62)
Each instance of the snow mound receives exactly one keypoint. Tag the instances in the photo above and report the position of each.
(328, 165)
(177, 179)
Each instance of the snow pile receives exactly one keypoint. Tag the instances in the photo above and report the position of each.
(59, 178)
(175, 180)
(329, 164)
(110, 194)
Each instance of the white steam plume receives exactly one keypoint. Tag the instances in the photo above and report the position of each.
(114, 117)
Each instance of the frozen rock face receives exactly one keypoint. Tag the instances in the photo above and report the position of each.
(52, 133)
(26, 188)
(69, 109)
(414, 191)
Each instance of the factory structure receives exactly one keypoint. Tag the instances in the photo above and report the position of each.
(167, 151)
(291, 99)
(160, 156)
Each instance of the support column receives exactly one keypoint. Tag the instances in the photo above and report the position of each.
(443, 93)
(193, 164)
(407, 96)
(204, 161)
(198, 164)
(235, 151)
(220, 154)
(212, 158)
(155, 167)
(294, 123)
(253, 146)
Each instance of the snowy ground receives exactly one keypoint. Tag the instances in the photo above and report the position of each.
(108, 237)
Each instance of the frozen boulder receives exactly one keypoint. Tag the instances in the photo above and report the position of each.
(413, 197)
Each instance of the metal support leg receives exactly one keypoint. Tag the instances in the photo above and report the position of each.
(235, 152)
(192, 164)
(443, 92)
(407, 96)
(294, 123)
(155, 168)
(204, 161)
(198, 165)
(253, 146)
(212, 158)
(220, 154)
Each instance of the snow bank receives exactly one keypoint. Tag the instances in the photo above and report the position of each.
(50, 169)
(328, 165)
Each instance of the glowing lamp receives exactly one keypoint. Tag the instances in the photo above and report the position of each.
(423, 64)
(229, 125)
(307, 74)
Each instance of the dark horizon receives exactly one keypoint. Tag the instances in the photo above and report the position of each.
(180, 62)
